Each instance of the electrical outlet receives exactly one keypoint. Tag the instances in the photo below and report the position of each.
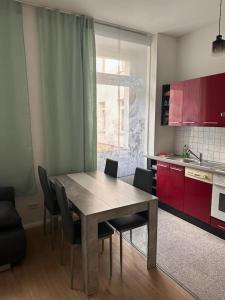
(32, 205)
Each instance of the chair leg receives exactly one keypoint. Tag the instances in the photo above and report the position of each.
(44, 221)
(110, 254)
(72, 265)
(103, 245)
(131, 238)
(121, 252)
(62, 247)
(56, 223)
(52, 231)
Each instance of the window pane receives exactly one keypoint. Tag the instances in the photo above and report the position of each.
(122, 102)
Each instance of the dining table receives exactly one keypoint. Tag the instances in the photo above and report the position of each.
(99, 197)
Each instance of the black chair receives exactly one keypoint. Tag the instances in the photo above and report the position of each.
(50, 202)
(111, 167)
(71, 229)
(143, 181)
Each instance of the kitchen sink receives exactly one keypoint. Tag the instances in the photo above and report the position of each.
(204, 163)
(193, 161)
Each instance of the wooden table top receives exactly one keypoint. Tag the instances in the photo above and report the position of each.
(96, 193)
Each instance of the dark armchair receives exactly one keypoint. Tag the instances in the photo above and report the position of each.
(12, 234)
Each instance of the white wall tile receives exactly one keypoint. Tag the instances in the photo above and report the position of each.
(208, 140)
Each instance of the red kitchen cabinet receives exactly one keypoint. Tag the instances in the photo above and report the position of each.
(176, 187)
(198, 102)
(176, 104)
(192, 102)
(163, 173)
(213, 98)
(170, 184)
(197, 199)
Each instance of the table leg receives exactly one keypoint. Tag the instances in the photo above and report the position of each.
(89, 231)
(152, 233)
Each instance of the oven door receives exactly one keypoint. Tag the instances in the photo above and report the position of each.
(218, 202)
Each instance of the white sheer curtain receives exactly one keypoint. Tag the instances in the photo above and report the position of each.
(122, 97)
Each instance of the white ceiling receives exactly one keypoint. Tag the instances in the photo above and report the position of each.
(175, 17)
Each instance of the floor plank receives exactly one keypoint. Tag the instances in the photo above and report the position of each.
(41, 276)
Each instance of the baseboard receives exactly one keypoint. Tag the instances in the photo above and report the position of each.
(33, 225)
(5, 267)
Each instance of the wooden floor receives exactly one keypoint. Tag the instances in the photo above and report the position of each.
(41, 277)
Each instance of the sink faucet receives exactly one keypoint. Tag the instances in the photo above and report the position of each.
(200, 157)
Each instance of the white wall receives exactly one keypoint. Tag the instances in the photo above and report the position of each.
(194, 54)
(195, 59)
(31, 208)
(163, 71)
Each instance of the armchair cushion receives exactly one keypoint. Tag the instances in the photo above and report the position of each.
(9, 218)
(7, 194)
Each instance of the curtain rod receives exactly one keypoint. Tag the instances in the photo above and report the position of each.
(95, 20)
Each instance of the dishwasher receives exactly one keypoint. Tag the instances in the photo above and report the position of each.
(198, 194)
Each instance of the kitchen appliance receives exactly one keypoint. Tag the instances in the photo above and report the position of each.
(218, 198)
(199, 175)
(198, 194)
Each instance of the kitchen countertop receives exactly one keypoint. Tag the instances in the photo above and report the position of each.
(218, 168)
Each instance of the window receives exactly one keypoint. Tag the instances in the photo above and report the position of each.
(102, 116)
(122, 98)
(122, 115)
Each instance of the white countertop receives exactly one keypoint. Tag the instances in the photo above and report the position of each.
(219, 168)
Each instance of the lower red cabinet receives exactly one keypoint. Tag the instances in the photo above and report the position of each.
(163, 173)
(176, 187)
(197, 199)
(170, 184)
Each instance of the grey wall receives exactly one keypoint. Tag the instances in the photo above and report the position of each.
(163, 71)
(194, 55)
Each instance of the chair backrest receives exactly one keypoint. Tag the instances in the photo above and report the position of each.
(47, 191)
(111, 167)
(143, 179)
(67, 218)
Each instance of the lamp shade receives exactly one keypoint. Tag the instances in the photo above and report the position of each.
(218, 46)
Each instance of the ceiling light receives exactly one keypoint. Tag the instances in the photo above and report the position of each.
(218, 46)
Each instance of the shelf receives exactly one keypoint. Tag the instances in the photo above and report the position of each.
(165, 107)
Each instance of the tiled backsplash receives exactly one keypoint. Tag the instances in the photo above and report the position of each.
(209, 141)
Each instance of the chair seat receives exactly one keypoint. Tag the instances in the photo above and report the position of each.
(128, 222)
(104, 230)
(144, 214)
(9, 217)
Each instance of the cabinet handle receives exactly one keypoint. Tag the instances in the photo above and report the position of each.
(210, 122)
(163, 166)
(222, 114)
(190, 122)
(175, 122)
(194, 175)
(176, 169)
(221, 227)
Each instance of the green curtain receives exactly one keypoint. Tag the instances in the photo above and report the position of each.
(16, 155)
(68, 76)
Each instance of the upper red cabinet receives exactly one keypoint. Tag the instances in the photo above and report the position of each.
(176, 103)
(213, 99)
(198, 102)
(192, 102)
